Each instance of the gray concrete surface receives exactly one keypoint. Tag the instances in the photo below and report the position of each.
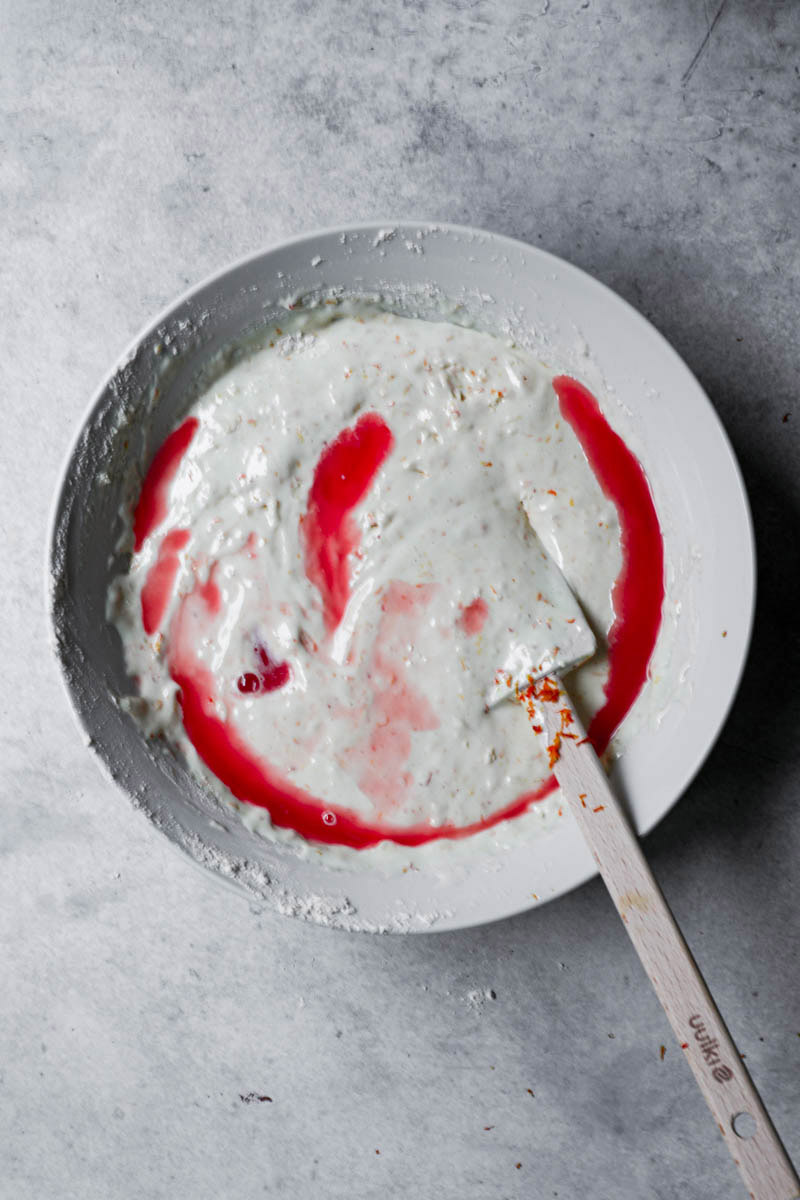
(144, 145)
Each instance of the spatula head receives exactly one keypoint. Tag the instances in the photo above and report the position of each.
(548, 634)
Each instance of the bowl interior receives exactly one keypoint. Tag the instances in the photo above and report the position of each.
(575, 325)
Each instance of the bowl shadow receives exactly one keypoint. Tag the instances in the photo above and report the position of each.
(732, 793)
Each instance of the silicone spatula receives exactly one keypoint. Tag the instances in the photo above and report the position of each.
(534, 679)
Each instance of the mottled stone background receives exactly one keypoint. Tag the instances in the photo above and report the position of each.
(145, 144)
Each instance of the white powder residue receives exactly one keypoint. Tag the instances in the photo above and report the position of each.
(477, 998)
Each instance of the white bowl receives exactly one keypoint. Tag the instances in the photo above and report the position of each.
(578, 326)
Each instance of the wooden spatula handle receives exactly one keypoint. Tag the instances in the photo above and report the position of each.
(729, 1091)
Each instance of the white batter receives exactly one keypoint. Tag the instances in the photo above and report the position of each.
(383, 714)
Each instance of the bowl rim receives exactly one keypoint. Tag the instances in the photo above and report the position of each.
(374, 228)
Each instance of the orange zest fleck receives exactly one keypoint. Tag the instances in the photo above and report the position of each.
(599, 808)
(553, 751)
(548, 691)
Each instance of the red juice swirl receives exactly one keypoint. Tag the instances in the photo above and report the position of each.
(638, 592)
(344, 474)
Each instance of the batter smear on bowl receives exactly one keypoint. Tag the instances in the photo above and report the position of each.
(332, 556)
